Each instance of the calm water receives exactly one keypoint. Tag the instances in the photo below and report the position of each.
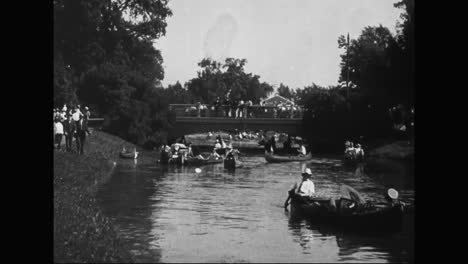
(172, 214)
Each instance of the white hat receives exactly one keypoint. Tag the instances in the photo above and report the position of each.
(307, 171)
(86, 108)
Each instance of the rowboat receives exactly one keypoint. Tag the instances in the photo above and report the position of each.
(367, 217)
(276, 158)
(129, 154)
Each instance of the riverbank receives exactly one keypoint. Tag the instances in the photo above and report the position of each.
(81, 232)
(397, 150)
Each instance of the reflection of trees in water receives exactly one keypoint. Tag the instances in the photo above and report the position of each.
(392, 172)
(352, 246)
(125, 198)
(302, 235)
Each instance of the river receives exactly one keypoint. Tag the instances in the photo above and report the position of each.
(173, 214)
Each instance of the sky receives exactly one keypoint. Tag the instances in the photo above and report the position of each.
(294, 42)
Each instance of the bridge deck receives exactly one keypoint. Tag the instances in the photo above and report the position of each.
(189, 125)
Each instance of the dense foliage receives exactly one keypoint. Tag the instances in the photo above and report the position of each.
(381, 75)
(104, 58)
(217, 80)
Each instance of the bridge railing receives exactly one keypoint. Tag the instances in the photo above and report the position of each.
(95, 122)
(254, 111)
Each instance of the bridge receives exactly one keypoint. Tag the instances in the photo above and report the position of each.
(190, 120)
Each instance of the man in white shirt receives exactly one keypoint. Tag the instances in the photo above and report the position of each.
(58, 128)
(359, 151)
(76, 115)
(307, 187)
(305, 190)
(217, 144)
(302, 150)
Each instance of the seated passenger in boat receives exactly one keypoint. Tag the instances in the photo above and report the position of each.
(189, 152)
(218, 144)
(214, 155)
(306, 189)
(287, 144)
(302, 150)
(350, 151)
(350, 200)
(391, 196)
(231, 153)
(359, 152)
(175, 152)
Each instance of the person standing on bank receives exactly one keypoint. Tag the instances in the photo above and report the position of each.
(80, 134)
(76, 114)
(87, 115)
(69, 129)
(58, 128)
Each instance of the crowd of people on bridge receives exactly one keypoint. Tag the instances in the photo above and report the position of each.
(243, 109)
(71, 122)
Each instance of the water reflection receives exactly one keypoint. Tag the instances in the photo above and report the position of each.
(352, 246)
(174, 214)
(126, 199)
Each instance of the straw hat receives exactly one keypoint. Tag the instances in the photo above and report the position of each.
(392, 193)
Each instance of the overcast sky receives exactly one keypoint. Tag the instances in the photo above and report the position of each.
(288, 41)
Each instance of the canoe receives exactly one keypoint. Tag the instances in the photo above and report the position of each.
(372, 217)
(129, 155)
(198, 162)
(276, 158)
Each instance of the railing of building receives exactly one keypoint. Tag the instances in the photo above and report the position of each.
(254, 111)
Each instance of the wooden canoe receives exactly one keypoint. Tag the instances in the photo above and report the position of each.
(276, 158)
(198, 162)
(129, 155)
(369, 217)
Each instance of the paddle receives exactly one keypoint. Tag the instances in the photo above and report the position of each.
(286, 203)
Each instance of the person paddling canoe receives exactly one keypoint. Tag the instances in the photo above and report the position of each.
(305, 190)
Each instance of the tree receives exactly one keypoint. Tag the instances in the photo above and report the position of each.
(216, 80)
(284, 91)
(104, 57)
(369, 61)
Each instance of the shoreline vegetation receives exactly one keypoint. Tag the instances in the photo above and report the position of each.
(81, 232)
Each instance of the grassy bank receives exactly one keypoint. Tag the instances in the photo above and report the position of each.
(81, 232)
